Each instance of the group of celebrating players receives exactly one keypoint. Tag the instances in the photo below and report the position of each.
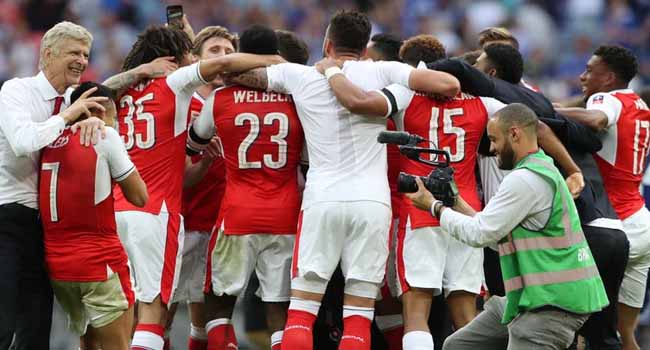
(232, 156)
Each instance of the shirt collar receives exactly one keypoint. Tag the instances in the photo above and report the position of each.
(45, 88)
(623, 91)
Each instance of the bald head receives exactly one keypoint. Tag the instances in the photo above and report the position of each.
(513, 134)
(517, 115)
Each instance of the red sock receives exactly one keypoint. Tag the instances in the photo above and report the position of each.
(148, 337)
(393, 338)
(197, 344)
(221, 335)
(356, 333)
(298, 331)
(276, 340)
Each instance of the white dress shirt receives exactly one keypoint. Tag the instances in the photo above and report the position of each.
(26, 126)
(523, 197)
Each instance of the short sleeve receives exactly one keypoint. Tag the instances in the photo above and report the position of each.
(398, 98)
(119, 163)
(394, 72)
(285, 77)
(186, 79)
(492, 105)
(607, 104)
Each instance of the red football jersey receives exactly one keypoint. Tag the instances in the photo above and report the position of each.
(455, 126)
(625, 148)
(76, 201)
(152, 119)
(262, 141)
(393, 158)
(202, 201)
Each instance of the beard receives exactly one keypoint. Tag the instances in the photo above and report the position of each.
(506, 158)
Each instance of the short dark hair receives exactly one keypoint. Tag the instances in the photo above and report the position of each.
(155, 42)
(507, 61)
(423, 47)
(619, 60)
(470, 57)
(349, 31)
(387, 45)
(517, 114)
(258, 39)
(291, 47)
(102, 91)
(491, 34)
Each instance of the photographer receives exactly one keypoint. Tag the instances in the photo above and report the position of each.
(552, 284)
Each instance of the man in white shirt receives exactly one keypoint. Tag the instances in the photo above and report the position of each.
(34, 115)
(346, 203)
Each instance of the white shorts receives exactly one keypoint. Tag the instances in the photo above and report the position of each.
(430, 258)
(354, 233)
(195, 257)
(633, 287)
(154, 244)
(390, 286)
(233, 258)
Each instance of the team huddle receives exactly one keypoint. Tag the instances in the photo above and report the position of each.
(232, 156)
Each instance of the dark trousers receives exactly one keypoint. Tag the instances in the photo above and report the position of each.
(610, 250)
(25, 291)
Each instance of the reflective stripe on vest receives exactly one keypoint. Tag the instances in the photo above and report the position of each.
(541, 278)
(569, 239)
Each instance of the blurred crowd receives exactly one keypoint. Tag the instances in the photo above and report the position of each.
(556, 37)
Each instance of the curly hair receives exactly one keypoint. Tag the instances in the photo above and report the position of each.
(157, 41)
(291, 47)
(507, 61)
(349, 31)
(423, 47)
(210, 32)
(619, 60)
(387, 45)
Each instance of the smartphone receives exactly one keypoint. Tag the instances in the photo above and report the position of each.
(175, 16)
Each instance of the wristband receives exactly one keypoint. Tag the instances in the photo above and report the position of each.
(434, 208)
(332, 71)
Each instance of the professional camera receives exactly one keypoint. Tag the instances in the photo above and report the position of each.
(440, 182)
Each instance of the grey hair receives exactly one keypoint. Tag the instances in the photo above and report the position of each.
(62, 30)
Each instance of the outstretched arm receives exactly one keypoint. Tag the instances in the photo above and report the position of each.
(254, 78)
(235, 63)
(554, 148)
(159, 67)
(594, 119)
(472, 80)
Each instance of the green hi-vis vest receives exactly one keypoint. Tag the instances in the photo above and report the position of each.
(553, 266)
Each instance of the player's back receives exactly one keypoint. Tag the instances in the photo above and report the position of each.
(152, 120)
(77, 207)
(455, 126)
(625, 149)
(262, 141)
(346, 163)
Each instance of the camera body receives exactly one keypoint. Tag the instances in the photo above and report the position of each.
(440, 182)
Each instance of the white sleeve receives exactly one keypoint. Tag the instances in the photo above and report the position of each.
(119, 163)
(397, 98)
(202, 128)
(186, 79)
(391, 72)
(514, 201)
(285, 77)
(24, 135)
(491, 105)
(607, 104)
